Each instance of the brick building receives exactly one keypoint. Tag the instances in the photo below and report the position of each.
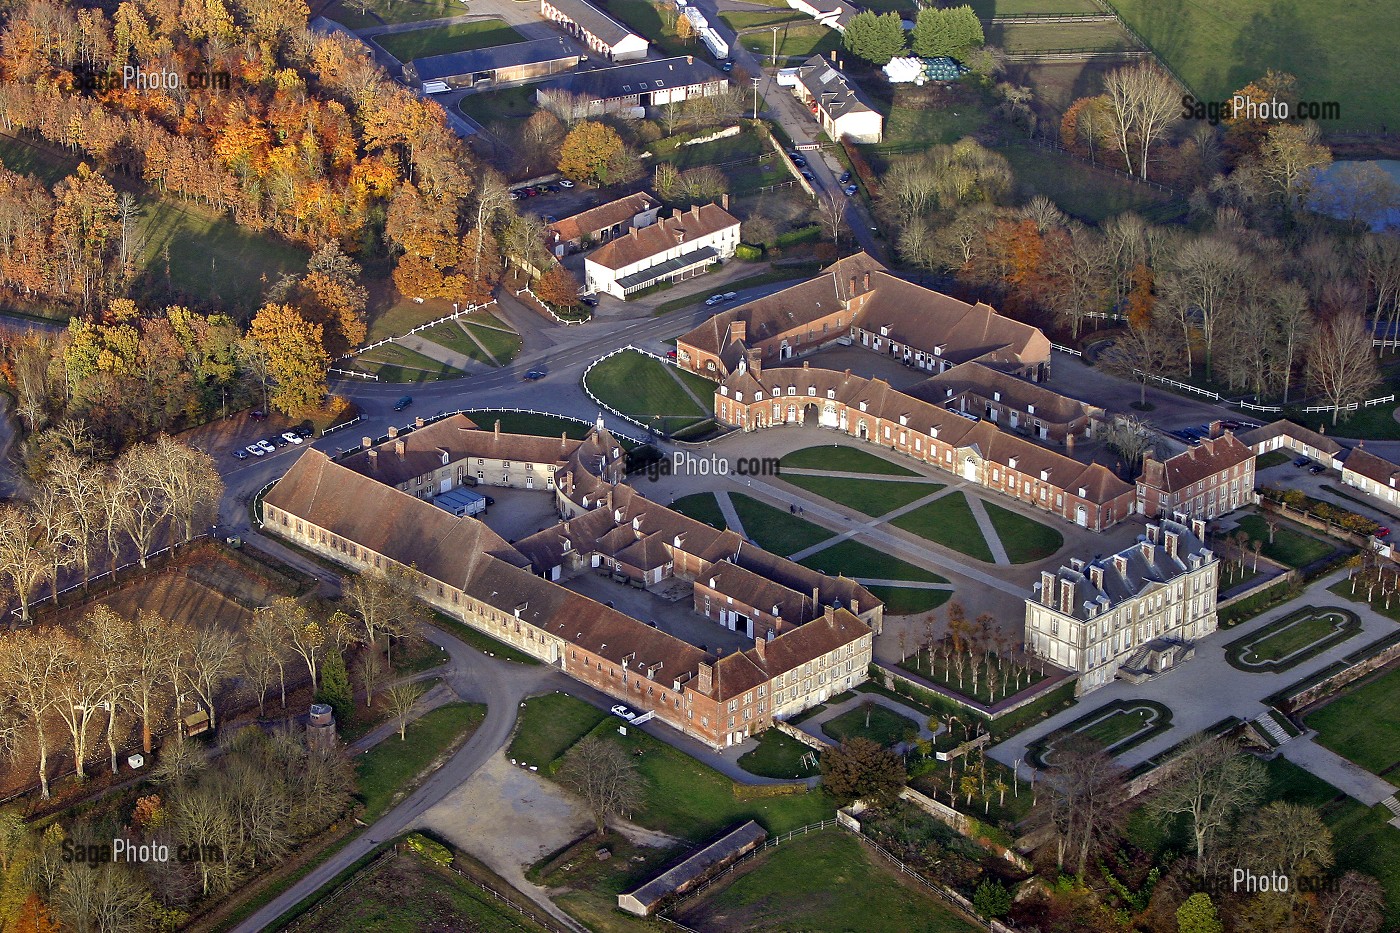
(1206, 481)
(1011, 403)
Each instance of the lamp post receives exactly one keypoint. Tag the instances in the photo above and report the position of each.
(756, 79)
(775, 46)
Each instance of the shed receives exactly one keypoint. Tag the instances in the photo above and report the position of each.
(681, 878)
(461, 502)
(515, 61)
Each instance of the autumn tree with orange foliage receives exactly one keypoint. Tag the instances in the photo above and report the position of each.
(557, 287)
(34, 917)
(297, 358)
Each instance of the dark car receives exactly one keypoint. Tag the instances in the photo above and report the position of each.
(490, 501)
(807, 175)
(553, 189)
(1315, 469)
(241, 454)
(727, 67)
(258, 415)
(850, 190)
(845, 177)
(799, 161)
(279, 441)
(534, 375)
(1301, 462)
(590, 301)
(403, 403)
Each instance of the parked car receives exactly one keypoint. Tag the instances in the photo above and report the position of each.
(1315, 469)
(565, 183)
(727, 67)
(291, 437)
(266, 447)
(258, 415)
(850, 190)
(490, 501)
(808, 175)
(403, 403)
(554, 189)
(1301, 462)
(278, 440)
(534, 374)
(730, 296)
(549, 218)
(845, 177)
(515, 196)
(799, 161)
(714, 300)
(589, 300)
(241, 454)
(305, 431)
(255, 450)
(1382, 532)
(624, 712)
(670, 354)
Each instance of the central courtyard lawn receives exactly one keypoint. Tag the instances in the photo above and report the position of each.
(383, 772)
(1335, 50)
(549, 725)
(873, 497)
(949, 522)
(703, 507)
(1024, 539)
(643, 388)
(821, 881)
(1363, 724)
(774, 529)
(839, 459)
(860, 560)
(886, 726)
(1292, 546)
(778, 756)
(442, 40)
(510, 103)
(906, 600)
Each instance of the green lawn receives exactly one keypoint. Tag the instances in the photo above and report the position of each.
(403, 315)
(1117, 725)
(1364, 840)
(986, 9)
(821, 881)
(1292, 546)
(778, 756)
(886, 726)
(450, 335)
(643, 388)
(1045, 37)
(910, 130)
(1082, 191)
(703, 507)
(1376, 423)
(800, 41)
(645, 20)
(520, 422)
(1363, 724)
(511, 103)
(1024, 539)
(501, 344)
(945, 673)
(747, 20)
(483, 642)
(948, 521)
(855, 559)
(1334, 50)
(841, 459)
(395, 11)
(549, 725)
(442, 40)
(385, 771)
(873, 497)
(774, 529)
(905, 601)
(395, 363)
(1271, 459)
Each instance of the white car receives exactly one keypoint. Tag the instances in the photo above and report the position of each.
(714, 300)
(255, 450)
(624, 712)
(565, 183)
(291, 437)
(267, 447)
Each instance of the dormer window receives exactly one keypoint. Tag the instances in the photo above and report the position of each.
(996, 396)
(903, 421)
(1030, 409)
(738, 396)
(811, 390)
(1044, 475)
(758, 396)
(885, 331)
(831, 393)
(792, 390)
(1011, 463)
(862, 406)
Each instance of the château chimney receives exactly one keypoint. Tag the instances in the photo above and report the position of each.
(366, 442)
(760, 644)
(706, 678)
(399, 448)
(374, 460)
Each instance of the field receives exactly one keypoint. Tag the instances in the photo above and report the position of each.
(949, 522)
(405, 894)
(1334, 50)
(1044, 37)
(1271, 459)
(1363, 724)
(1291, 639)
(986, 9)
(394, 11)
(1117, 726)
(394, 363)
(450, 334)
(441, 40)
(1375, 423)
(873, 497)
(511, 103)
(820, 881)
(1291, 545)
(1082, 191)
(703, 507)
(854, 559)
(904, 600)
(886, 726)
(755, 20)
(800, 41)
(743, 179)
(173, 595)
(649, 391)
(839, 459)
(549, 725)
(1024, 539)
(778, 756)
(520, 422)
(774, 529)
(501, 344)
(385, 772)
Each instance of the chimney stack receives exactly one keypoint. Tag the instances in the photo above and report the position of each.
(867, 281)
(366, 443)
(1047, 588)
(706, 678)
(418, 422)
(373, 460)
(393, 431)
(724, 200)
(759, 645)
(498, 427)
(399, 448)
(690, 59)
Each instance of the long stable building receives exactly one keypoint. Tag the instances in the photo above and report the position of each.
(812, 633)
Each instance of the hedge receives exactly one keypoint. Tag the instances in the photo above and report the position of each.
(808, 234)
(748, 253)
(760, 791)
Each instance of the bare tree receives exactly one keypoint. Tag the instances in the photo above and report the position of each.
(60, 530)
(604, 776)
(111, 640)
(189, 482)
(1211, 781)
(211, 659)
(831, 214)
(1079, 276)
(1201, 286)
(402, 699)
(30, 670)
(1144, 103)
(1140, 354)
(78, 483)
(137, 474)
(1132, 437)
(1355, 906)
(24, 553)
(303, 635)
(1341, 363)
(79, 690)
(267, 640)
(1083, 793)
(384, 604)
(1287, 837)
(369, 669)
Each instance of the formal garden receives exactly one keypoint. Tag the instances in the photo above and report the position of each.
(1117, 726)
(650, 392)
(1291, 639)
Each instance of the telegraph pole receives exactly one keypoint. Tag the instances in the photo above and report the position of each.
(756, 79)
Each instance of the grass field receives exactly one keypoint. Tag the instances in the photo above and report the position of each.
(949, 522)
(1117, 726)
(943, 672)
(778, 756)
(839, 459)
(886, 726)
(441, 40)
(549, 725)
(774, 529)
(450, 335)
(1291, 545)
(703, 507)
(1363, 724)
(1373, 424)
(1291, 639)
(501, 344)
(644, 388)
(1024, 539)
(1044, 37)
(403, 315)
(511, 103)
(821, 881)
(406, 894)
(385, 772)
(910, 130)
(800, 41)
(1271, 459)
(521, 422)
(861, 560)
(986, 9)
(744, 179)
(904, 601)
(1334, 50)
(395, 11)
(394, 363)
(37, 159)
(1082, 191)
(747, 20)
(873, 497)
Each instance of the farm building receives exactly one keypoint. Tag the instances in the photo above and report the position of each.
(695, 869)
(680, 247)
(517, 61)
(625, 88)
(598, 30)
(839, 106)
(602, 223)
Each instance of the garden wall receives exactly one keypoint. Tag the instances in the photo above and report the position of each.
(1362, 663)
(964, 824)
(811, 741)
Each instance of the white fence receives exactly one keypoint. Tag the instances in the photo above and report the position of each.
(350, 372)
(34, 603)
(469, 309)
(604, 405)
(413, 426)
(1063, 349)
(344, 424)
(548, 310)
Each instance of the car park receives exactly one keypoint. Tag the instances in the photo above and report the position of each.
(1301, 462)
(291, 437)
(624, 712)
(241, 454)
(266, 447)
(403, 403)
(534, 374)
(565, 183)
(255, 450)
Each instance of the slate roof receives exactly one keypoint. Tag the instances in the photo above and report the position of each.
(1257, 436)
(982, 381)
(644, 242)
(460, 438)
(839, 96)
(1132, 570)
(1377, 469)
(511, 55)
(593, 20)
(633, 78)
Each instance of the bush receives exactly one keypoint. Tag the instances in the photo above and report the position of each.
(992, 900)
(748, 253)
(808, 234)
(760, 791)
(433, 851)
